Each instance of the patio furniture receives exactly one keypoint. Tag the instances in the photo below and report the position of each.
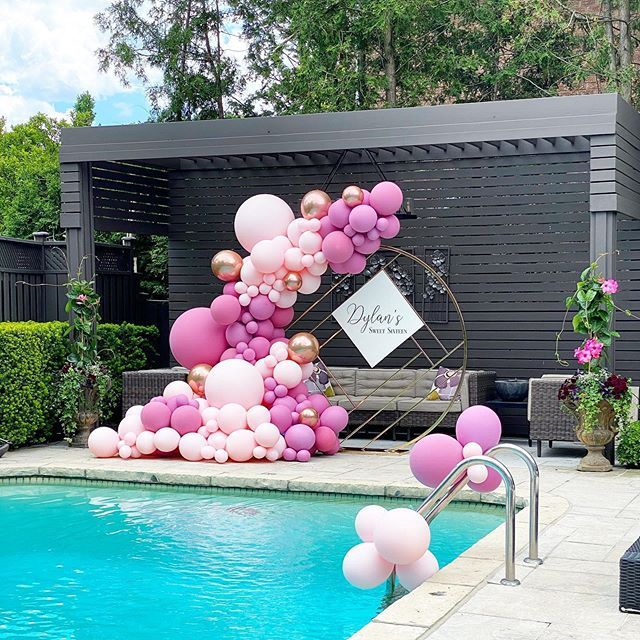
(382, 399)
(4, 446)
(138, 387)
(547, 420)
(629, 601)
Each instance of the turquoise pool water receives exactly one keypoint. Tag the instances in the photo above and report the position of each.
(111, 563)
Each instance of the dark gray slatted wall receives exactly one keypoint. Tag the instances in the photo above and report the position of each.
(516, 224)
(628, 275)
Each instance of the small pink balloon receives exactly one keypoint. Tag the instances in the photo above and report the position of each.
(288, 373)
(135, 453)
(363, 218)
(281, 417)
(433, 457)
(268, 256)
(125, 451)
(326, 439)
(364, 567)
(267, 434)
(326, 227)
(401, 536)
(335, 418)
(392, 229)
(367, 520)
(299, 437)
(103, 442)
(221, 456)
(256, 416)
(413, 575)
(479, 424)
(272, 455)
(303, 455)
(289, 454)
(310, 242)
(337, 247)
(166, 439)
(208, 452)
(130, 424)
(282, 317)
(232, 417)
(477, 474)
(155, 415)
(186, 419)
(240, 445)
(355, 264)
(236, 333)
(490, 484)
(225, 309)
(261, 308)
(339, 214)
(191, 445)
(130, 438)
(259, 452)
(319, 402)
(386, 198)
(176, 389)
(471, 449)
(144, 443)
(217, 440)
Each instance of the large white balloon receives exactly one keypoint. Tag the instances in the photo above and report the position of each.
(234, 381)
(261, 217)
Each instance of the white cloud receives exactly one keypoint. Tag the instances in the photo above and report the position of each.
(47, 55)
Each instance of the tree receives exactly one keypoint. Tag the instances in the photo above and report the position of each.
(83, 112)
(184, 41)
(314, 55)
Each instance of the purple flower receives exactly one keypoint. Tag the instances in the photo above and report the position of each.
(609, 286)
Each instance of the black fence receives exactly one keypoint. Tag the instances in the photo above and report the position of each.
(33, 274)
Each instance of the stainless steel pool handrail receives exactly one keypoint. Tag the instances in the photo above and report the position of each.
(455, 481)
(534, 497)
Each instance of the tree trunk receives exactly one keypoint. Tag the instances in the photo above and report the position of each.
(390, 64)
(608, 25)
(625, 49)
(360, 72)
(219, 61)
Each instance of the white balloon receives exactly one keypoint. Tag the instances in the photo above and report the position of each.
(477, 474)
(414, 574)
(261, 217)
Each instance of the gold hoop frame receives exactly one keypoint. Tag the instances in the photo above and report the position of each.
(460, 346)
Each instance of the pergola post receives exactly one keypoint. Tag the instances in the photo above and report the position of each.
(76, 218)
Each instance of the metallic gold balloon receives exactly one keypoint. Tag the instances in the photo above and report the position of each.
(196, 378)
(315, 204)
(292, 281)
(226, 265)
(309, 417)
(303, 347)
(353, 195)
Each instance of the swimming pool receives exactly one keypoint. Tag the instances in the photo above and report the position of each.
(82, 562)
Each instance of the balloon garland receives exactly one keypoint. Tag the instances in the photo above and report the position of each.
(399, 539)
(245, 396)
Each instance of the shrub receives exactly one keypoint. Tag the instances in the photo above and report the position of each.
(628, 446)
(31, 357)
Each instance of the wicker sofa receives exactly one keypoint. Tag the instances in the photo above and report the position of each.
(374, 395)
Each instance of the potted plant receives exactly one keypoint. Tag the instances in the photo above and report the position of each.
(599, 399)
(83, 393)
(628, 449)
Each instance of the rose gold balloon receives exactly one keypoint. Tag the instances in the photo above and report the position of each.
(309, 417)
(292, 281)
(353, 196)
(196, 378)
(315, 204)
(303, 347)
(226, 265)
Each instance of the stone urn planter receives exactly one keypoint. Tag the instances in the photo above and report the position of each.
(87, 417)
(596, 439)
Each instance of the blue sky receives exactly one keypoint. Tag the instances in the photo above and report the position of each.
(47, 57)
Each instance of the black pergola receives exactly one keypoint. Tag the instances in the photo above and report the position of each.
(517, 195)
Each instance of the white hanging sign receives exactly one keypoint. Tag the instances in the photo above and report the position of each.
(377, 318)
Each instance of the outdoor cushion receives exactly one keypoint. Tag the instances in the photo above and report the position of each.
(368, 380)
(424, 383)
(428, 406)
(371, 403)
(343, 380)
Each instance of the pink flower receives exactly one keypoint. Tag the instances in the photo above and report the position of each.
(609, 286)
(82, 298)
(582, 355)
(594, 347)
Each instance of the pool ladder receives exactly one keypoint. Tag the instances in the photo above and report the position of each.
(447, 490)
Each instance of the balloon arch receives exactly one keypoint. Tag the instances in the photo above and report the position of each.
(245, 397)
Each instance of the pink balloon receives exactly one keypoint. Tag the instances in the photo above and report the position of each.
(299, 437)
(166, 439)
(186, 419)
(281, 417)
(130, 438)
(354, 265)
(234, 381)
(471, 449)
(176, 389)
(261, 308)
(433, 457)
(339, 214)
(267, 435)
(130, 424)
(232, 417)
(335, 418)
(386, 198)
(196, 339)
(155, 415)
(229, 289)
(260, 346)
(326, 227)
(310, 283)
(288, 373)
(287, 299)
(249, 275)
(337, 247)
(303, 455)
(392, 229)
(413, 575)
(144, 443)
(282, 317)
(236, 333)
(367, 519)
(225, 309)
(326, 439)
(261, 217)
(191, 445)
(490, 484)
(369, 246)
(478, 474)
(240, 445)
(221, 456)
(103, 442)
(289, 454)
(479, 424)
(208, 452)
(319, 402)
(124, 452)
(310, 242)
(363, 218)
(366, 197)
(267, 256)
(364, 568)
(401, 536)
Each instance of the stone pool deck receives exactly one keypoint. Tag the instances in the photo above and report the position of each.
(587, 522)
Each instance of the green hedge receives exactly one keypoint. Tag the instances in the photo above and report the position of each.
(31, 355)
